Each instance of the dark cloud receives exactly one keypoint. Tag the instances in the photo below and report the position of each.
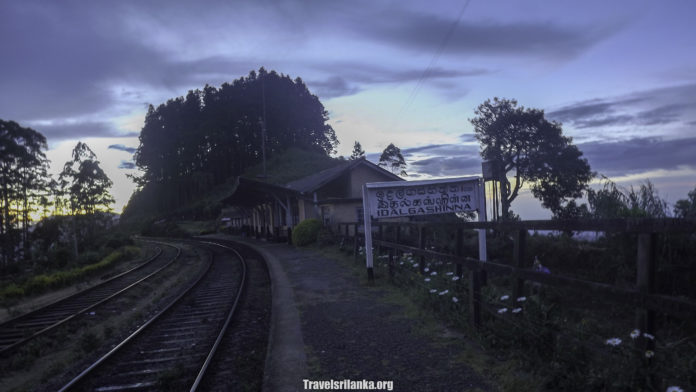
(67, 130)
(609, 158)
(639, 154)
(661, 106)
(57, 69)
(443, 150)
(121, 147)
(355, 75)
(126, 165)
(420, 32)
(447, 166)
(332, 87)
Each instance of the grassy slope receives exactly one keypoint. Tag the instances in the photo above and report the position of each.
(291, 165)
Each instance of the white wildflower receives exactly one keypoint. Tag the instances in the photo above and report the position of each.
(516, 310)
(674, 389)
(433, 273)
(432, 291)
(450, 273)
(502, 310)
(613, 342)
(521, 299)
(401, 263)
(649, 354)
(443, 292)
(426, 269)
(504, 297)
(648, 336)
(635, 333)
(427, 279)
(455, 278)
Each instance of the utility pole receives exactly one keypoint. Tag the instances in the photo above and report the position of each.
(263, 126)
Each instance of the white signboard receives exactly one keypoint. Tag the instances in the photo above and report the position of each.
(416, 198)
(423, 198)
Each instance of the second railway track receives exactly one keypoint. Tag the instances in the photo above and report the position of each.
(18, 331)
(173, 349)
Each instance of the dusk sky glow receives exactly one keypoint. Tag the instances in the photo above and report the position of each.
(620, 76)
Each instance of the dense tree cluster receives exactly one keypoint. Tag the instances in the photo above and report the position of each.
(192, 143)
(23, 181)
(26, 188)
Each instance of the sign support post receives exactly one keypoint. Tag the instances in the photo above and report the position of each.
(367, 218)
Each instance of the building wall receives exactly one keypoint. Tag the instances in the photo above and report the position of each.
(361, 175)
(341, 212)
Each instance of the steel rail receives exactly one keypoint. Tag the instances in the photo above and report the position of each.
(231, 313)
(82, 293)
(80, 377)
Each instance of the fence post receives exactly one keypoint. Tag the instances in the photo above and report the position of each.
(398, 239)
(459, 249)
(421, 246)
(380, 237)
(391, 264)
(518, 259)
(289, 235)
(645, 284)
(475, 297)
(355, 241)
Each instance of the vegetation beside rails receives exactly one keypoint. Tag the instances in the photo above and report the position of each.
(557, 338)
(50, 281)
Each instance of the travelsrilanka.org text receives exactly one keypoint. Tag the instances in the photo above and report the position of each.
(349, 385)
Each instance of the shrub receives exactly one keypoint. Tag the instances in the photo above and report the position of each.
(306, 232)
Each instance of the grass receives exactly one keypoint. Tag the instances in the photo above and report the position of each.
(44, 282)
(291, 165)
(49, 358)
(506, 374)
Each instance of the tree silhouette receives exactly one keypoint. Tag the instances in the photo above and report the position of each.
(534, 150)
(392, 159)
(23, 174)
(189, 144)
(88, 185)
(358, 152)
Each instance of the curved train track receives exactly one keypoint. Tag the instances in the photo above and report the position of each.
(19, 331)
(174, 348)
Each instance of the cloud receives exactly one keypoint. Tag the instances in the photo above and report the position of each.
(126, 165)
(423, 32)
(334, 86)
(447, 166)
(660, 106)
(64, 130)
(639, 154)
(355, 75)
(121, 147)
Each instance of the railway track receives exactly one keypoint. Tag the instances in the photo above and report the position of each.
(175, 347)
(19, 331)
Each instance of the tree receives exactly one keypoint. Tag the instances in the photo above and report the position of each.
(23, 173)
(533, 150)
(87, 184)
(686, 208)
(391, 158)
(190, 144)
(358, 152)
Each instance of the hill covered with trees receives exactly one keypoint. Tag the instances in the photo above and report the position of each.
(191, 144)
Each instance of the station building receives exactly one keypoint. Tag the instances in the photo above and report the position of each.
(334, 195)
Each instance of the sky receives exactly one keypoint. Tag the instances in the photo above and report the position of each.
(620, 76)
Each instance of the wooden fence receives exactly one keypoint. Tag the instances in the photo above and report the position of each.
(643, 296)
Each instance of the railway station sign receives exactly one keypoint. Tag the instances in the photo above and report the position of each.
(422, 197)
(419, 198)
